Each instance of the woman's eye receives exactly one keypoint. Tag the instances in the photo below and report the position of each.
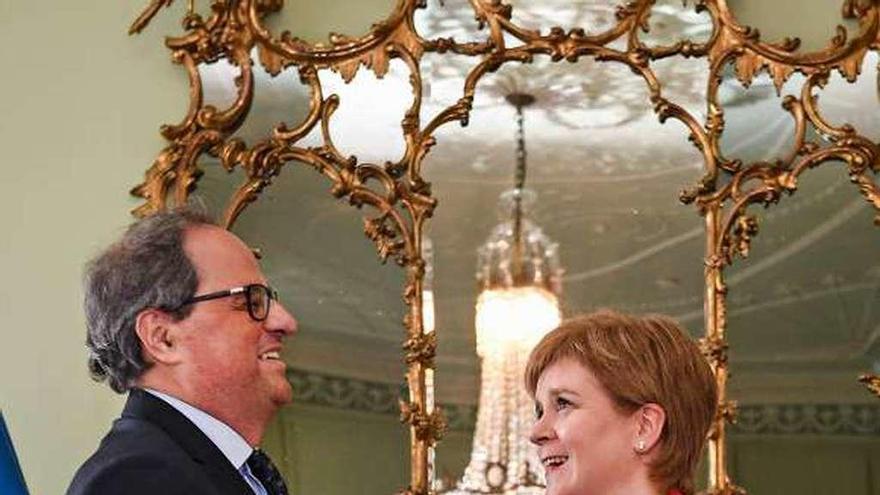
(562, 403)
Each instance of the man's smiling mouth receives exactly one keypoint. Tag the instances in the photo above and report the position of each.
(270, 355)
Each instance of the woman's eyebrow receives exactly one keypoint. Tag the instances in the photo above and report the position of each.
(557, 391)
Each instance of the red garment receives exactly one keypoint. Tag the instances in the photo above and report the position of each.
(675, 492)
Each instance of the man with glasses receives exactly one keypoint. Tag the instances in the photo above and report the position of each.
(181, 317)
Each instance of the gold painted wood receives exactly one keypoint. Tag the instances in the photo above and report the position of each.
(872, 382)
(399, 199)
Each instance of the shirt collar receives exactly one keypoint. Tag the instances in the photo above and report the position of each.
(233, 446)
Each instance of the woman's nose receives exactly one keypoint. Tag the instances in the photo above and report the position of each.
(540, 431)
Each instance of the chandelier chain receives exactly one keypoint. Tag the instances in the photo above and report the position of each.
(520, 180)
(519, 184)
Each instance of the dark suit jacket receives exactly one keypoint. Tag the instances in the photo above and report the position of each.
(155, 450)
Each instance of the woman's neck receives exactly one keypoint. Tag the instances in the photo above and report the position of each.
(638, 484)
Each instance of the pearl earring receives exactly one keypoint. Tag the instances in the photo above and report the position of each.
(640, 447)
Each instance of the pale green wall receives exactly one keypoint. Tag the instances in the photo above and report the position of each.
(80, 107)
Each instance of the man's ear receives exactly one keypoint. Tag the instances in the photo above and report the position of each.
(157, 332)
(650, 419)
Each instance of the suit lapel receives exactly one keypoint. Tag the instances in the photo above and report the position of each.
(203, 451)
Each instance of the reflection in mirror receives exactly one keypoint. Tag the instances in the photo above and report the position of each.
(367, 123)
(803, 323)
(672, 21)
(606, 175)
(279, 99)
(593, 17)
(344, 363)
(369, 112)
(216, 187)
(746, 137)
(450, 19)
(856, 104)
(778, 20)
(759, 128)
(313, 20)
(669, 22)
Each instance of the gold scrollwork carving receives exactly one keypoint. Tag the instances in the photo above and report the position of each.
(399, 200)
(872, 382)
(421, 349)
(429, 426)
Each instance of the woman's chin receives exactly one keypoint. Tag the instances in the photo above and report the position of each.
(555, 478)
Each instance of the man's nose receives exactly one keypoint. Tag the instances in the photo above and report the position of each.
(280, 320)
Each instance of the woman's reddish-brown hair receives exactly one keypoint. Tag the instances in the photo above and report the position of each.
(641, 360)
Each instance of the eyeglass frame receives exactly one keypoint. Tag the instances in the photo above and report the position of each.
(246, 290)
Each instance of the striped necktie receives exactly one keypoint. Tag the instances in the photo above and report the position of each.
(263, 469)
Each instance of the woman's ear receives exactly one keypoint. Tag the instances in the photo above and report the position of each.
(650, 419)
(157, 331)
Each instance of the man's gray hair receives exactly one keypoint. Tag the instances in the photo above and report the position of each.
(146, 268)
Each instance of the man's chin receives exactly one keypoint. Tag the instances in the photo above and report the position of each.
(283, 396)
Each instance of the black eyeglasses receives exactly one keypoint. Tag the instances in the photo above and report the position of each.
(258, 296)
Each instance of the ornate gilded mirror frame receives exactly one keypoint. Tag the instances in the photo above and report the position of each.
(400, 199)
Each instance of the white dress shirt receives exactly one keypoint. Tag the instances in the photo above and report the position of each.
(233, 446)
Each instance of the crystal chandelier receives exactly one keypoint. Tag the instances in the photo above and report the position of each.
(519, 277)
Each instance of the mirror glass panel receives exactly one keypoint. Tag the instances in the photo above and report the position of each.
(312, 20)
(344, 363)
(282, 98)
(450, 19)
(803, 325)
(592, 17)
(606, 174)
(856, 104)
(773, 136)
(779, 20)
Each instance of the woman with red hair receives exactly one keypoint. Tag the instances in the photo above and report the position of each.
(624, 404)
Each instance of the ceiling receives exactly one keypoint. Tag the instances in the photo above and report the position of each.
(803, 312)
